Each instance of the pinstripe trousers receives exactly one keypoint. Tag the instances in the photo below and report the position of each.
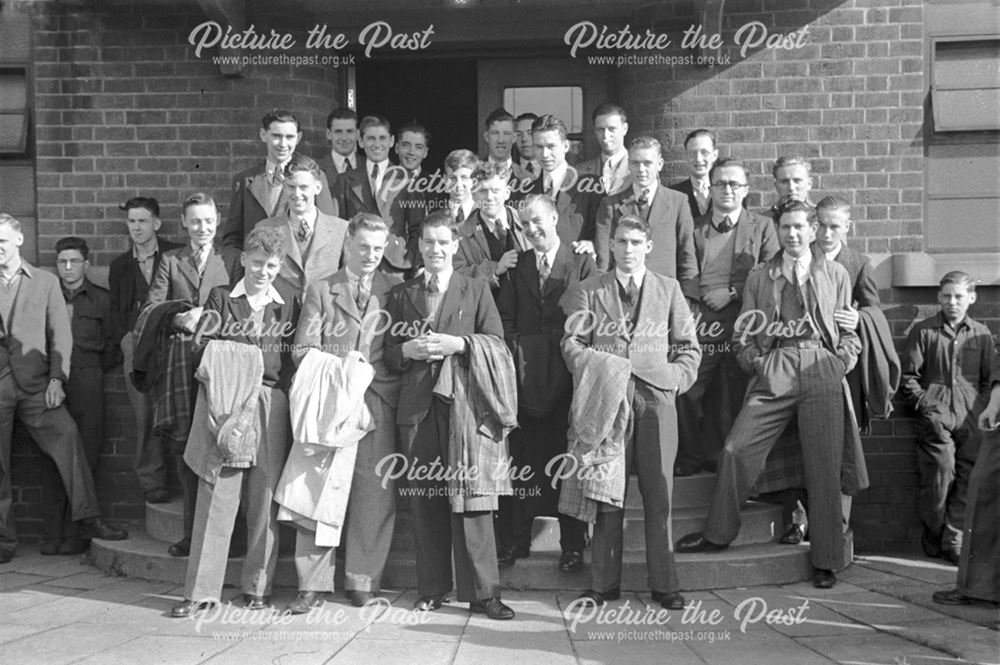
(805, 384)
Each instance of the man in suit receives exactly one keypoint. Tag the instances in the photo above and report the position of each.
(342, 132)
(430, 314)
(792, 182)
(499, 137)
(611, 166)
(381, 189)
(729, 242)
(189, 274)
(638, 314)
(258, 191)
(314, 241)
(665, 210)
(340, 315)
(798, 354)
(491, 239)
(525, 144)
(129, 278)
(412, 141)
(36, 344)
(530, 303)
(700, 153)
(576, 196)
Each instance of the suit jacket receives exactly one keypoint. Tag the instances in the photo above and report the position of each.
(756, 241)
(621, 178)
(829, 289)
(326, 248)
(401, 209)
(687, 189)
(177, 277)
(38, 336)
(247, 205)
(473, 256)
(330, 321)
(864, 292)
(533, 323)
(467, 309)
(330, 169)
(673, 252)
(128, 286)
(662, 348)
(576, 204)
(520, 183)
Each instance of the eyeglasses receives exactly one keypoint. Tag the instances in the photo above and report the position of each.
(69, 262)
(731, 185)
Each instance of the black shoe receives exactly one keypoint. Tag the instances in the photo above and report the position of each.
(931, 542)
(428, 603)
(49, 547)
(950, 597)
(685, 469)
(508, 554)
(254, 602)
(189, 608)
(570, 562)
(72, 546)
(823, 579)
(951, 555)
(157, 495)
(181, 548)
(305, 602)
(360, 598)
(6, 556)
(493, 608)
(669, 601)
(695, 542)
(599, 598)
(795, 535)
(95, 527)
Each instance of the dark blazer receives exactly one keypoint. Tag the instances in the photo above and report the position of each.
(621, 178)
(330, 321)
(246, 207)
(687, 189)
(673, 252)
(129, 288)
(576, 204)
(756, 241)
(326, 248)
(93, 325)
(864, 292)
(533, 324)
(38, 336)
(401, 209)
(177, 277)
(330, 169)
(225, 318)
(467, 309)
(473, 256)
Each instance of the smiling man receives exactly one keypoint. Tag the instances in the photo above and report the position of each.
(700, 154)
(500, 136)
(611, 167)
(412, 141)
(342, 133)
(792, 182)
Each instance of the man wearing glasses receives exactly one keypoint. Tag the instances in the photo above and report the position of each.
(666, 211)
(729, 241)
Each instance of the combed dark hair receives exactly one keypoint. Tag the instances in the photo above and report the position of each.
(147, 202)
(72, 242)
(526, 116)
(729, 161)
(549, 123)
(366, 221)
(300, 162)
(794, 205)
(438, 219)
(341, 113)
(959, 278)
(197, 199)
(498, 115)
(270, 241)
(413, 127)
(609, 108)
(279, 115)
(374, 121)
(634, 222)
(700, 132)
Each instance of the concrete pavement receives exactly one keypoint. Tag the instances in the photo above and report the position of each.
(56, 610)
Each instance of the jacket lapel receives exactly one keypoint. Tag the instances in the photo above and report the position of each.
(414, 292)
(340, 290)
(744, 231)
(187, 268)
(607, 298)
(215, 274)
(453, 298)
(561, 267)
(514, 223)
(628, 205)
(260, 189)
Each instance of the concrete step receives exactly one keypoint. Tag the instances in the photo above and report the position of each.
(145, 557)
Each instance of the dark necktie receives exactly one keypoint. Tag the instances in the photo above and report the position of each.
(726, 225)
(304, 230)
(644, 201)
(459, 215)
(432, 285)
(364, 294)
(544, 269)
(631, 292)
(374, 178)
(548, 189)
(797, 285)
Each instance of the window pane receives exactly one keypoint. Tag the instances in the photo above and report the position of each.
(565, 102)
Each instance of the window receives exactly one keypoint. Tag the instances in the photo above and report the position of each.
(965, 88)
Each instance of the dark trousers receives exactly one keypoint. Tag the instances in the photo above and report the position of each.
(650, 451)
(439, 533)
(54, 431)
(149, 463)
(85, 403)
(532, 447)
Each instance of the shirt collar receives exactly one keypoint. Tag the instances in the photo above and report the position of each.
(354, 279)
(145, 257)
(80, 289)
(269, 296)
(718, 216)
(787, 262)
(964, 323)
(637, 190)
(832, 255)
(338, 159)
(270, 167)
(558, 177)
(444, 278)
(638, 276)
(614, 159)
(551, 254)
(696, 183)
(508, 163)
(21, 269)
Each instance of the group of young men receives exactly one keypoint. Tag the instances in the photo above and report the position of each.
(515, 313)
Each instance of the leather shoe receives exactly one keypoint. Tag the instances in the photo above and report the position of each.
(570, 562)
(253, 602)
(181, 548)
(951, 555)
(428, 603)
(685, 469)
(72, 546)
(6, 556)
(795, 535)
(508, 554)
(695, 542)
(931, 543)
(591, 597)
(492, 608)
(95, 527)
(305, 602)
(360, 598)
(189, 607)
(49, 547)
(950, 597)
(157, 495)
(823, 579)
(669, 601)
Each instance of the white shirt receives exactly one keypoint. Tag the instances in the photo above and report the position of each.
(551, 254)
(557, 176)
(293, 220)
(270, 168)
(382, 167)
(637, 276)
(467, 207)
(803, 266)
(637, 190)
(717, 217)
(444, 278)
(259, 301)
(833, 253)
(344, 163)
(355, 280)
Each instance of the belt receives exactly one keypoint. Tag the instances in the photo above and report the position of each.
(800, 344)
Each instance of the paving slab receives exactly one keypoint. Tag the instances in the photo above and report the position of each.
(875, 648)
(954, 637)
(384, 651)
(157, 650)
(759, 644)
(67, 644)
(629, 652)
(15, 580)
